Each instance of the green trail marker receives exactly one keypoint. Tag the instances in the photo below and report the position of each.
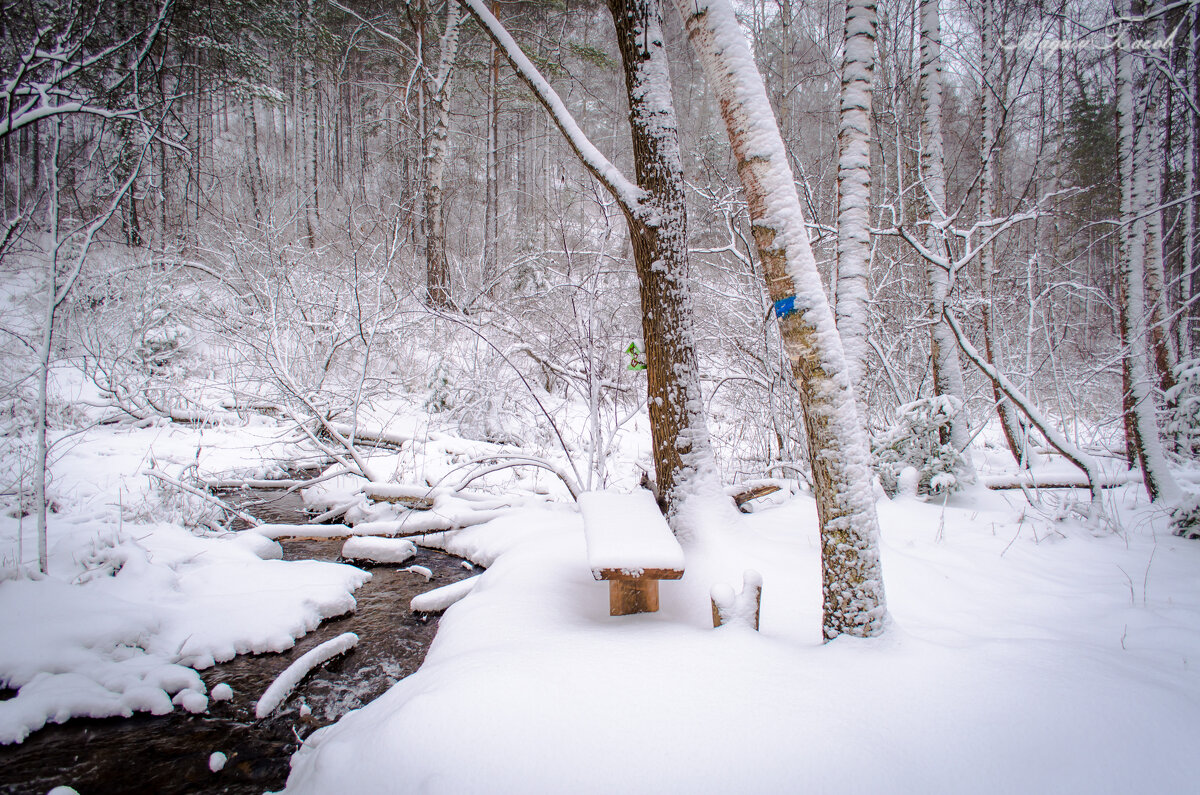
(635, 362)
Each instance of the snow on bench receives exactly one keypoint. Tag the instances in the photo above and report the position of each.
(630, 545)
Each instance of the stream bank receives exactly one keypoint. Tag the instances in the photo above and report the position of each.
(170, 753)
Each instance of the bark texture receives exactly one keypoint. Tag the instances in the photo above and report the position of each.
(658, 231)
(852, 584)
(854, 189)
(1141, 412)
(947, 371)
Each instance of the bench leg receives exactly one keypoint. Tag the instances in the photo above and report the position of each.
(632, 596)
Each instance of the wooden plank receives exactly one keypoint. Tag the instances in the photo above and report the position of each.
(626, 597)
(637, 574)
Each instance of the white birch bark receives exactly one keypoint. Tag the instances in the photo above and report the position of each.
(852, 584)
(854, 190)
(947, 371)
(1142, 415)
(437, 266)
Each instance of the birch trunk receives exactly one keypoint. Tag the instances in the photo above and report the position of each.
(852, 585)
(1149, 155)
(854, 190)
(947, 371)
(1142, 415)
(437, 266)
(491, 210)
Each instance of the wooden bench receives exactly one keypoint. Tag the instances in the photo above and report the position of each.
(630, 545)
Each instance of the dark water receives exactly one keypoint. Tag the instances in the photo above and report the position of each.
(170, 753)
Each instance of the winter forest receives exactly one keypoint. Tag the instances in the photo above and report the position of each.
(353, 352)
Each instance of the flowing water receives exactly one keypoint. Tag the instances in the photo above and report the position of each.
(170, 753)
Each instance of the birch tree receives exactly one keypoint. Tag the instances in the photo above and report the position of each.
(437, 147)
(854, 189)
(852, 584)
(1141, 413)
(947, 371)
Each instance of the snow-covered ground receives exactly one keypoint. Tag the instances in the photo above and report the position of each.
(1023, 655)
(1025, 651)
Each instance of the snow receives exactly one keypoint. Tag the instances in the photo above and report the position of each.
(420, 571)
(627, 532)
(221, 692)
(216, 761)
(136, 604)
(440, 599)
(378, 550)
(303, 530)
(1016, 645)
(291, 676)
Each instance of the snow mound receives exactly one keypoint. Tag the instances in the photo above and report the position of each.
(439, 599)
(378, 550)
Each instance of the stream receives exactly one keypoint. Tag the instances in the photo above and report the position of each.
(170, 753)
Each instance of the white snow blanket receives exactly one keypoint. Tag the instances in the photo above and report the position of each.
(1016, 645)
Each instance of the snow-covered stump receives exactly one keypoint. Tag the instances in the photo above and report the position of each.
(738, 608)
(286, 682)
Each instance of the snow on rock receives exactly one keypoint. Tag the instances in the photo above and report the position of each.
(221, 692)
(62, 789)
(216, 761)
(191, 700)
(420, 571)
(378, 550)
(627, 532)
(439, 599)
(286, 682)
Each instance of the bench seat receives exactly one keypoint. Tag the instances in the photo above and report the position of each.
(630, 545)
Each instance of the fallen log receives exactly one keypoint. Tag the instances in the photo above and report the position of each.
(1065, 481)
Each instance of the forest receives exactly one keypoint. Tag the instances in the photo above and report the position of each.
(889, 308)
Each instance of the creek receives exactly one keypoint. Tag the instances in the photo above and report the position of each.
(170, 753)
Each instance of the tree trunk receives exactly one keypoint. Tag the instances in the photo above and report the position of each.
(1160, 484)
(947, 371)
(989, 150)
(491, 210)
(436, 263)
(854, 191)
(658, 232)
(852, 584)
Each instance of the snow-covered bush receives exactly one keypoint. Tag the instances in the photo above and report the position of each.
(1183, 409)
(1185, 516)
(920, 440)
